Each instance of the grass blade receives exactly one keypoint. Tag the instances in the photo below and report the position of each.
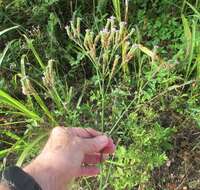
(8, 100)
(187, 34)
(44, 107)
(10, 134)
(102, 5)
(27, 151)
(117, 9)
(198, 65)
(32, 48)
(8, 29)
(4, 52)
(194, 9)
(190, 41)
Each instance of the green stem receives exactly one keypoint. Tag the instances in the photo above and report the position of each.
(103, 106)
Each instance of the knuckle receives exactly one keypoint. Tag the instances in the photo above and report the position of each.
(59, 131)
(76, 141)
(56, 130)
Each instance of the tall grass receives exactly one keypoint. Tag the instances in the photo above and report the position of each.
(36, 55)
(8, 29)
(192, 42)
(117, 9)
(197, 13)
(29, 90)
(196, 36)
(6, 99)
(4, 52)
(8, 45)
(28, 149)
(101, 6)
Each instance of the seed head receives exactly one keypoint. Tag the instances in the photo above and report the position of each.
(116, 60)
(112, 21)
(131, 52)
(91, 39)
(78, 26)
(96, 40)
(86, 39)
(112, 18)
(125, 48)
(92, 52)
(104, 38)
(73, 29)
(131, 32)
(27, 88)
(48, 79)
(108, 24)
(105, 57)
(122, 28)
(69, 32)
(117, 38)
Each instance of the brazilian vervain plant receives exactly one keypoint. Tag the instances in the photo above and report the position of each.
(110, 51)
(105, 55)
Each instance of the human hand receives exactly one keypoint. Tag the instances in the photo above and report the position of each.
(69, 153)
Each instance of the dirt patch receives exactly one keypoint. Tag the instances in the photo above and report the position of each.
(182, 170)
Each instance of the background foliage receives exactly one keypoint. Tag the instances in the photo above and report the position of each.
(49, 78)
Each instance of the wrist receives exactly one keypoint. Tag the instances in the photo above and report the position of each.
(4, 186)
(43, 175)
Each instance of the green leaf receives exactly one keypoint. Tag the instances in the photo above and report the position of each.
(10, 134)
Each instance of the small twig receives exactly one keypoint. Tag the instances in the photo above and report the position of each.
(182, 182)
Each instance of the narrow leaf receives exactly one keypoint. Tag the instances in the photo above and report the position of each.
(7, 99)
(8, 29)
(27, 151)
(4, 52)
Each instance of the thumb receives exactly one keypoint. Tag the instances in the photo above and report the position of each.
(96, 144)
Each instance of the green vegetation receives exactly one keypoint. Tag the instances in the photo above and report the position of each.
(127, 68)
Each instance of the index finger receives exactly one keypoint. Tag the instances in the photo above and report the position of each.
(85, 132)
(110, 147)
